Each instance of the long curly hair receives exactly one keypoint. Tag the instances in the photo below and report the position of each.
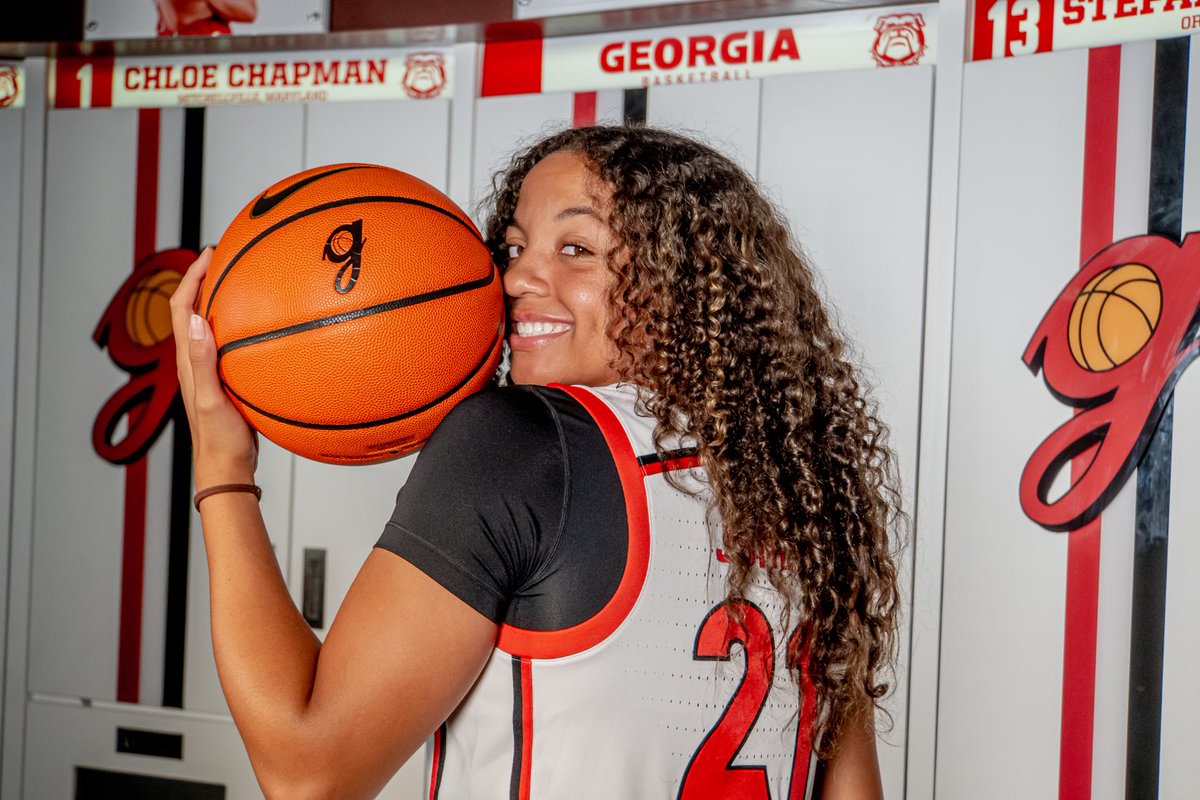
(717, 311)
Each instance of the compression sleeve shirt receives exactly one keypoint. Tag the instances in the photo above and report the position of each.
(515, 507)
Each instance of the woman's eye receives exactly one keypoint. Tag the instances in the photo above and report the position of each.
(575, 250)
(514, 250)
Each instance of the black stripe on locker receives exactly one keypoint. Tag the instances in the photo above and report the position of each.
(181, 458)
(1154, 471)
(634, 103)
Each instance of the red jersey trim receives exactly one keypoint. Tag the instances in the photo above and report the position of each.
(601, 625)
(526, 729)
(439, 761)
(657, 467)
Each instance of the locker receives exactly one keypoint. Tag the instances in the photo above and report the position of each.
(856, 194)
(1036, 201)
(119, 741)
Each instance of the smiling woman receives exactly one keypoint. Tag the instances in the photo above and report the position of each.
(656, 566)
(558, 281)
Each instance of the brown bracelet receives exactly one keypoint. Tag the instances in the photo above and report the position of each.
(227, 487)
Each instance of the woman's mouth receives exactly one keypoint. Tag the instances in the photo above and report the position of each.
(527, 335)
(525, 329)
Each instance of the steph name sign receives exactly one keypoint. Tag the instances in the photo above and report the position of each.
(326, 76)
(1003, 28)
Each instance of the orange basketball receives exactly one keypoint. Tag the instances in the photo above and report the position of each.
(353, 306)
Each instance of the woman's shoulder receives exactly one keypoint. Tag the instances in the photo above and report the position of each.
(501, 414)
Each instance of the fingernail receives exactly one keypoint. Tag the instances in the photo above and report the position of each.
(196, 328)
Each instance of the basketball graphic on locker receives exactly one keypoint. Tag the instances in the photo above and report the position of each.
(136, 331)
(1114, 316)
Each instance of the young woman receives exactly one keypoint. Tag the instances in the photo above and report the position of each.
(656, 566)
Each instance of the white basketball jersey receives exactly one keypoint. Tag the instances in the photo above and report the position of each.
(654, 695)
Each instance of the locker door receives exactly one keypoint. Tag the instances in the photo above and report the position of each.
(76, 572)
(339, 511)
(726, 115)
(502, 124)
(1003, 596)
(853, 178)
(12, 134)
(246, 149)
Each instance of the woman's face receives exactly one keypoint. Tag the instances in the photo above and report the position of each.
(557, 280)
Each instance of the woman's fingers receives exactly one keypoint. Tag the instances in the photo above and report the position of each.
(202, 352)
(182, 303)
(223, 445)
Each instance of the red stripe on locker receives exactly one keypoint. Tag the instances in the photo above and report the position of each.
(1083, 544)
(146, 197)
(133, 562)
(133, 546)
(512, 67)
(585, 109)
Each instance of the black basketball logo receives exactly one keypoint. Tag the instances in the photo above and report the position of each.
(344, 246)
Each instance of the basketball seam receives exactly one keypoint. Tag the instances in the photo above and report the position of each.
(327, 426)
(325, 207)
(358, 313)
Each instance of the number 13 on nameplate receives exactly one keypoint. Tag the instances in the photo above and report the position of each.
(711, 773)
(1011, 28)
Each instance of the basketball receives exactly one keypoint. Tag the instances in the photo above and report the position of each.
(1114, 316)
(353, 306)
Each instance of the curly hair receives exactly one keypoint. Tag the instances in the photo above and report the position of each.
(717, 312)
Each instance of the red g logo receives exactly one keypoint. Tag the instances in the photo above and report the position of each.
(9, 87)
(899, 40)
(136, 330)
(424, 74)
(1113, 345)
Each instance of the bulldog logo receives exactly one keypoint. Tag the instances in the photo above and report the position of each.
(424, 75)
(899, 40)
(9, 88)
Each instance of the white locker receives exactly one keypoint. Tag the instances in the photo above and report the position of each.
(12, 121)
(1004, 575)
(144, 753)
(338, 512)
(78, 526)
(856, 192)
(1006, 653)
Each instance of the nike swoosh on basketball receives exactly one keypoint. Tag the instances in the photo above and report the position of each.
(265, 203)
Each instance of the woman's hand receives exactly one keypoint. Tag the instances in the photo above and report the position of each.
(224, 447)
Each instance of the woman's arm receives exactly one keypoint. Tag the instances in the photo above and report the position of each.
(853, 772)
(317, 720)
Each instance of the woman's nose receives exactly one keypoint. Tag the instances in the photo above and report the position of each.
(526, 275)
